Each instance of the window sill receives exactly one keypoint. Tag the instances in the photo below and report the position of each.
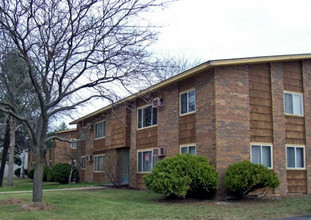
(98, 171)
(95, 139)
(189, 113)
(144, 172)
(296, 168)
(293, 115)
(152, 126)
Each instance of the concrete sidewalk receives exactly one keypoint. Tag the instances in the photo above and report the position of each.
(52, 190)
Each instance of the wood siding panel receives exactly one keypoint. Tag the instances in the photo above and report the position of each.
(260, 103)
(147, 138)
(292, 72)
(99, 144)
(187, 132)
(98, 177)
(297, 181)
(295, 130)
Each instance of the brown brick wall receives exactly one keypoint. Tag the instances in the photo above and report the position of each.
(232, 118)
(168, 116)
(279, 135)
(205, 115)
(307, 113)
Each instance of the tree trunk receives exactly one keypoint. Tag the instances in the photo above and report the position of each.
(11, 151)
(37, 194)
(6, 146)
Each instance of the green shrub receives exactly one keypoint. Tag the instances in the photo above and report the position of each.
(18, 171)
(183, 175)
(60, 173)
(244, 177)
(31, 173)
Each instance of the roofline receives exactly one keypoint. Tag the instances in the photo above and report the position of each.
(198, 69)
(65, 131)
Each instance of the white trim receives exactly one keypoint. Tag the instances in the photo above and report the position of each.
(95, 138)
(98, 155)
(188, 145)
(304, 156)
(137, 117)
(73, 141)
(262, 144)
(302, 104)
(195, 103)
(151, 158)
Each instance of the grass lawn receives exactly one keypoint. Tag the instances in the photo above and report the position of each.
(26, 184)
(133, 204)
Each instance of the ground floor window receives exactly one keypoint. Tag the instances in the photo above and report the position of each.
(83, 162)
(188, 149)
(99, 163)
(295, 157)
(262, 154)
(145, 161)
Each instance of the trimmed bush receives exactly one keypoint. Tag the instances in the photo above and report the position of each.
(18, 171)
(244, 177)
(183, 175)
(31, 173)
(60, 173)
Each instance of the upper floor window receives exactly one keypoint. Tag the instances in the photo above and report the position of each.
(262, 154)
(73, 144)
(100, 129)
(191, 149)
(295, 156)
(187, 102)
(99, 163)
(293, 103)
(147, 116)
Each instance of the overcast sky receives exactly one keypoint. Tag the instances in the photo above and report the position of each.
(205, 29)
(202, 30)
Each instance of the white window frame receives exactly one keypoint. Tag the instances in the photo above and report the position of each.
(96, 156)
(142, 165)
(262, 144)
(142, 117)
(83, 163)
(180, 100)
(294, 108)
(73, 144)
(188, 146)
(104, 130)
(50, 163)
(304, 156)
(73, 162)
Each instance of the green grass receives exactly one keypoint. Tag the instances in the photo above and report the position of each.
(133, 204)
(26, 184)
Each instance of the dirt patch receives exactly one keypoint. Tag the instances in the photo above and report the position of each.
(36, 206)
(12, 201)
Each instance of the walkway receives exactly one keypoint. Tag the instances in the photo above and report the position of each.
(64, 189)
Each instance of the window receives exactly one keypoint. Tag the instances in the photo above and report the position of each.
(187, 102)
(73, 163)
(100, 130)
(293, 103)
(262, 154)
(295, 157)
(146, 161)
(99, 163)
(73, 145)
(191, 149)
(147, 116)
(50, 163)
(83, 162)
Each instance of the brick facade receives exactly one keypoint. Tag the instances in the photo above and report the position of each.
(238, 103)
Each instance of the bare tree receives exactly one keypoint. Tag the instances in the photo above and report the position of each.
(73, 50)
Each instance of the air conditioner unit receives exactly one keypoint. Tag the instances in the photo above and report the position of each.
(159, 151)
(89, 158)
(156, 102)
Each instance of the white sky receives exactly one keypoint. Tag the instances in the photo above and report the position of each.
(217, 29)
(209, 29)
